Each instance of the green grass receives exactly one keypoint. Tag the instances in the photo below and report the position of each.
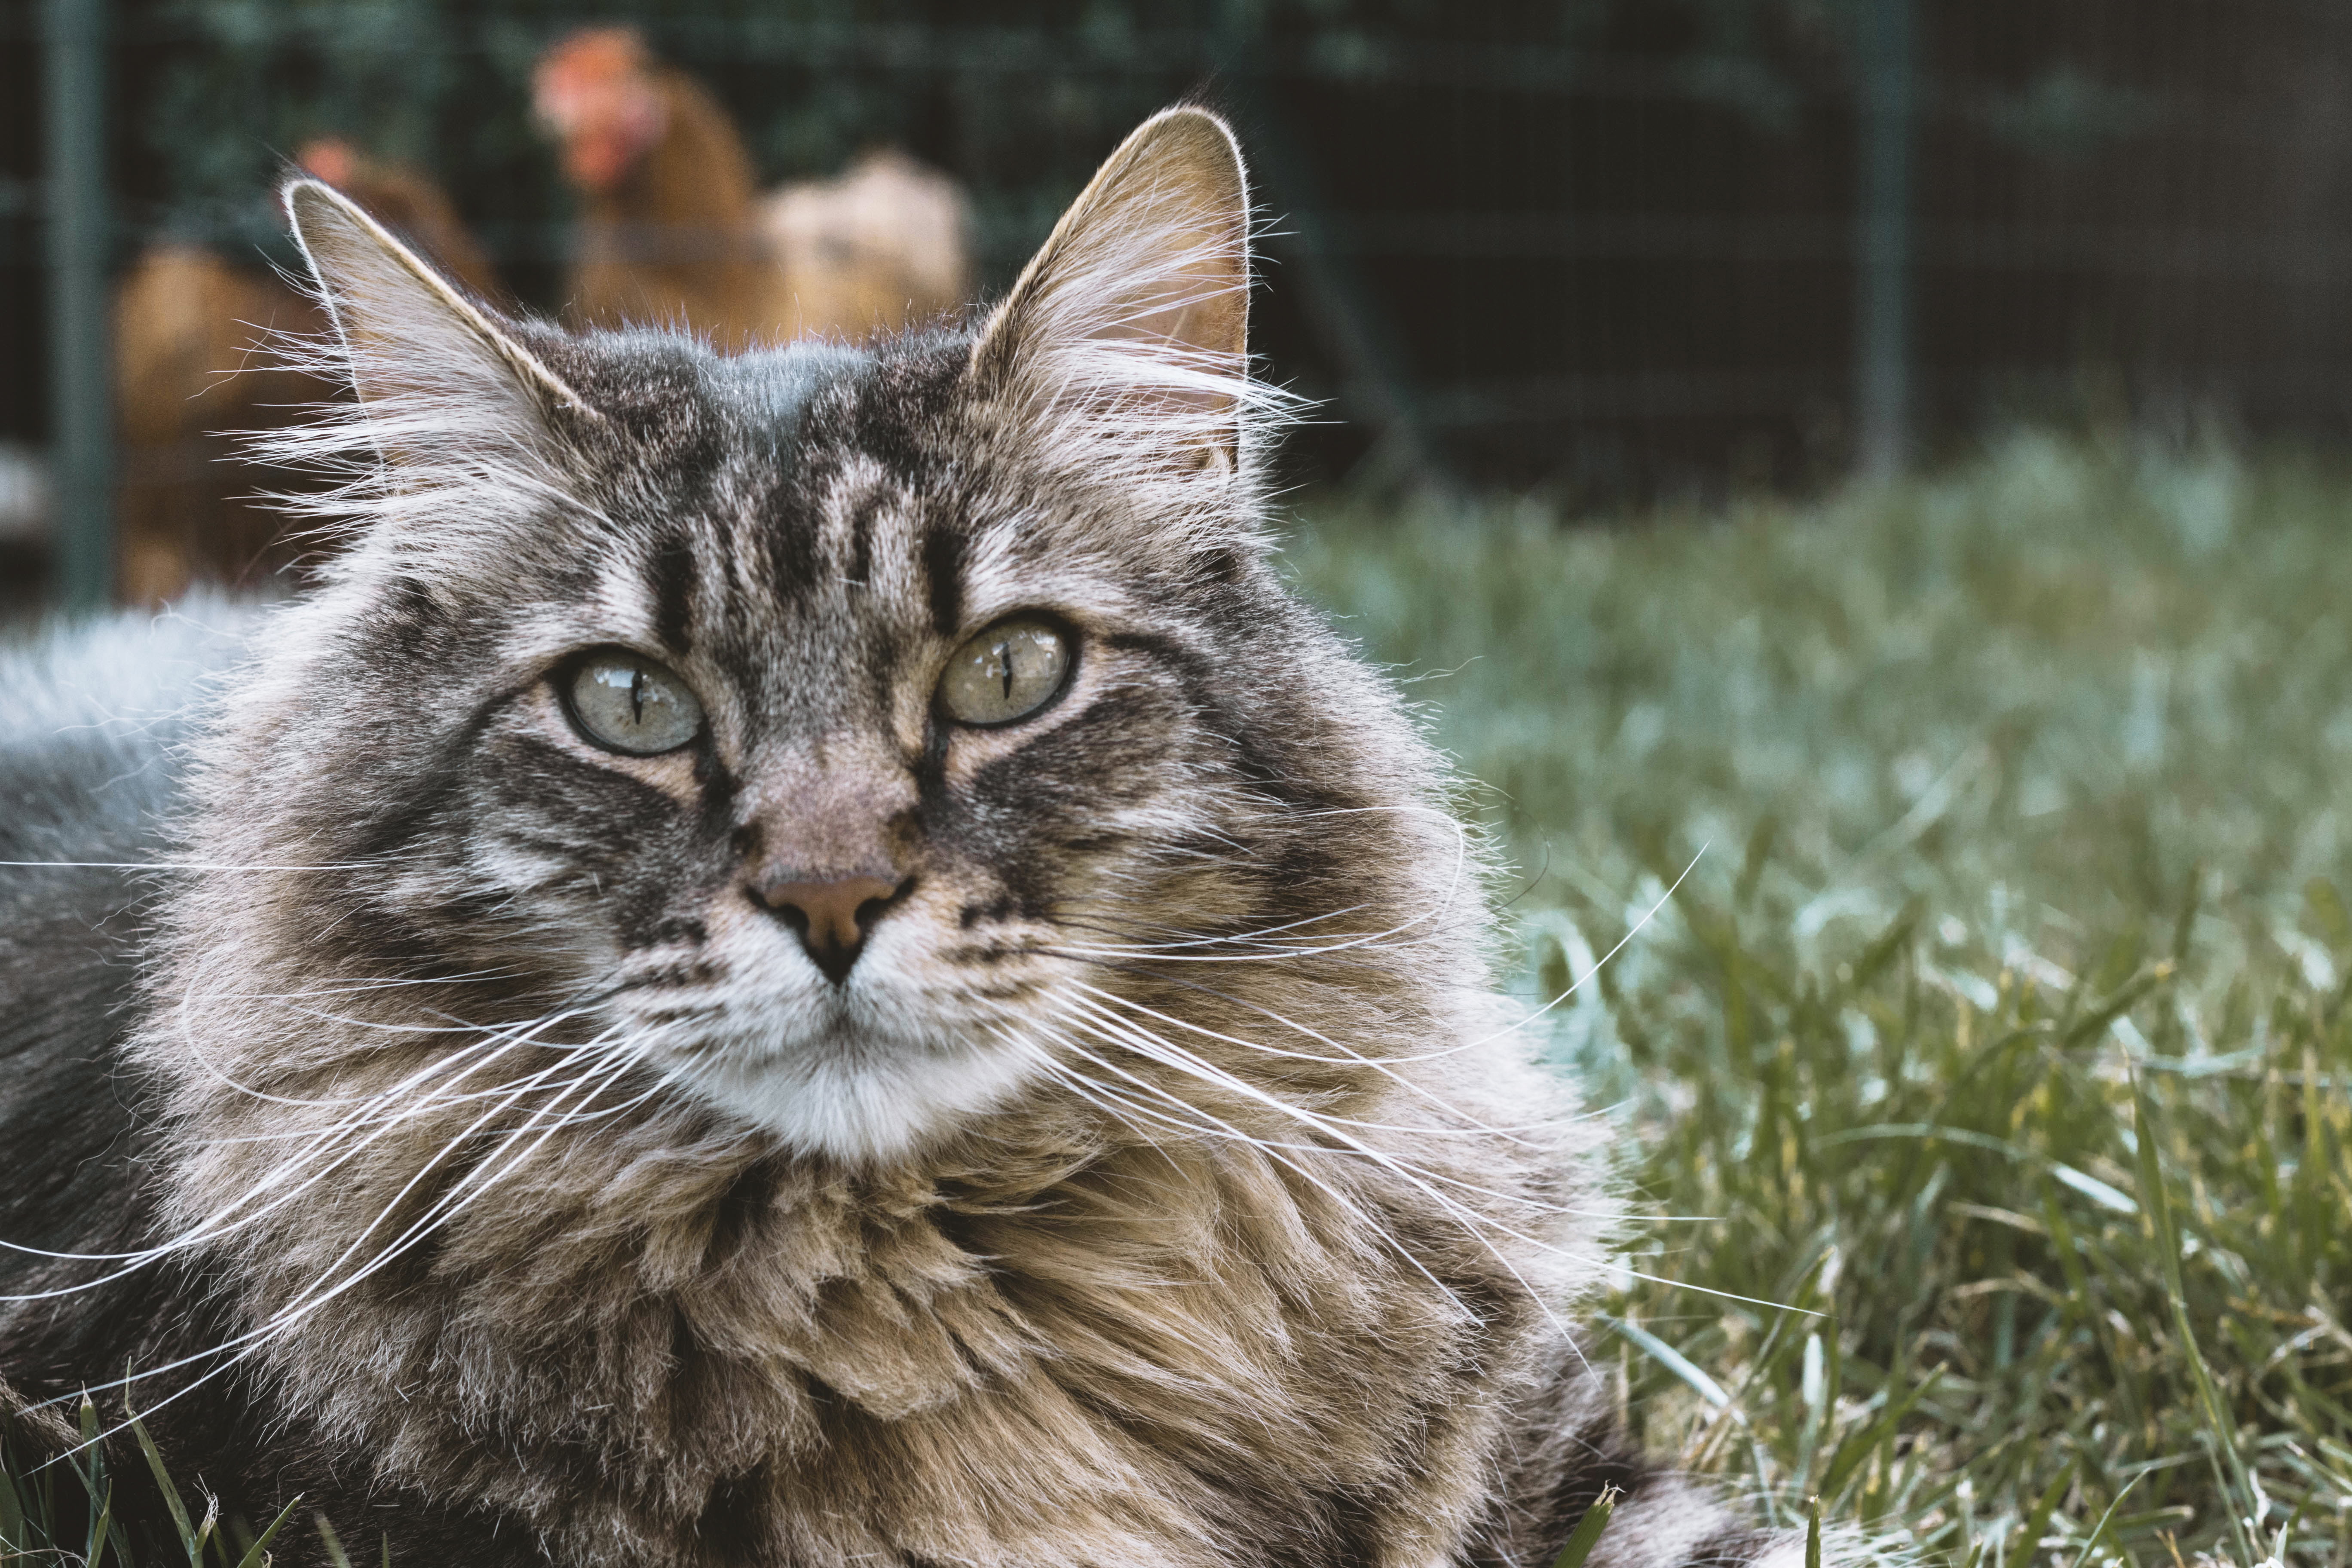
(2017, 787)
(2009, 791)
(67, 1512)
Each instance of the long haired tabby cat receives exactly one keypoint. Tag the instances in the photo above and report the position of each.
(799, 959)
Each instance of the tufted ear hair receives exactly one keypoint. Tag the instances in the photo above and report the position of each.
(405, 330)
(1127, 337)
(447, 396)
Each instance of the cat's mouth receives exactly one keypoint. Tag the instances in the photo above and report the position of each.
(841, 1087)
(866, 1068)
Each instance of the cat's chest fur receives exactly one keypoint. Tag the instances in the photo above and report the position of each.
(1170, 1356)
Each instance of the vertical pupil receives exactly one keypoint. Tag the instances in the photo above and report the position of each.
(636, 696)
(1004, 656)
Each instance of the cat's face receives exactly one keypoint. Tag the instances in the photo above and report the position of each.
(858, 742)
(836, 752)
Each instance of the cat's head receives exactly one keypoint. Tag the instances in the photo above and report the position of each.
(856, 741)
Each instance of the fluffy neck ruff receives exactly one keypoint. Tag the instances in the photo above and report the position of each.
(1068, 1335)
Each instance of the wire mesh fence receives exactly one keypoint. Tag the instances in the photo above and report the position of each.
(1607, 247)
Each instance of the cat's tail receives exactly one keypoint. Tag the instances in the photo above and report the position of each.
(32, 1435)
(33, 1432)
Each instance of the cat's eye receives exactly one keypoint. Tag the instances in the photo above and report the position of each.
(625, 702)
(1007, 672)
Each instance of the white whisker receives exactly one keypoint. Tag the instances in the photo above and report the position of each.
(308, 1302)
(228, 1221)
(1155, 1048)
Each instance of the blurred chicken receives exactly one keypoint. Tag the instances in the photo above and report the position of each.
(870, 252)
(674, 228)
(193, 369)
(187, 328)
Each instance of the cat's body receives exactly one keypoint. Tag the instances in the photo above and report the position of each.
(897, 1122)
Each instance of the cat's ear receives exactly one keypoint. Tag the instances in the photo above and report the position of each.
(412, 344)
(1129, 331)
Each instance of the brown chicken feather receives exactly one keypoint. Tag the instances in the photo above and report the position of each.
(675, 232)
(193, 371)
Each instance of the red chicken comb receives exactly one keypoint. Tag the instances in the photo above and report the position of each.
(331, 158)
(589, 58)
(595, 90)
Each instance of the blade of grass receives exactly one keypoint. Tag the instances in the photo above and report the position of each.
(1673, 1359)
(100, 1531)
(2126, 999)
(209, 1533)
(1852, 1453)
(333, 1544)
(178, 1509)
(12, 1510)
(258, 1554)
(2091, 1539)
(2220, 1432)
(90, 1464)
(2030, 1534)
(1580, 1541)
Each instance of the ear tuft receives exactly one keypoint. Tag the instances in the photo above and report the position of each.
(1129, 331)
(404, 328)
(456, 433)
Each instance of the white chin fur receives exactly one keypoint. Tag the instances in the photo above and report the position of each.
(865, 1072)
(856, 1098)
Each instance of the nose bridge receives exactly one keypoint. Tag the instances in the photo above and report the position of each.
(827, 808)
(828, 852)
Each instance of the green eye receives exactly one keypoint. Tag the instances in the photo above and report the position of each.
(625, 702)
(1007, 672)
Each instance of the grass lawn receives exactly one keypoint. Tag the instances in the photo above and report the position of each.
(2002, 1020)
(1998, 1031)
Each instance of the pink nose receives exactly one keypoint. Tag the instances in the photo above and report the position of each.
(832, 917)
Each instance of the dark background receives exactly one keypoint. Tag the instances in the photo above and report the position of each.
(1606, 247)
